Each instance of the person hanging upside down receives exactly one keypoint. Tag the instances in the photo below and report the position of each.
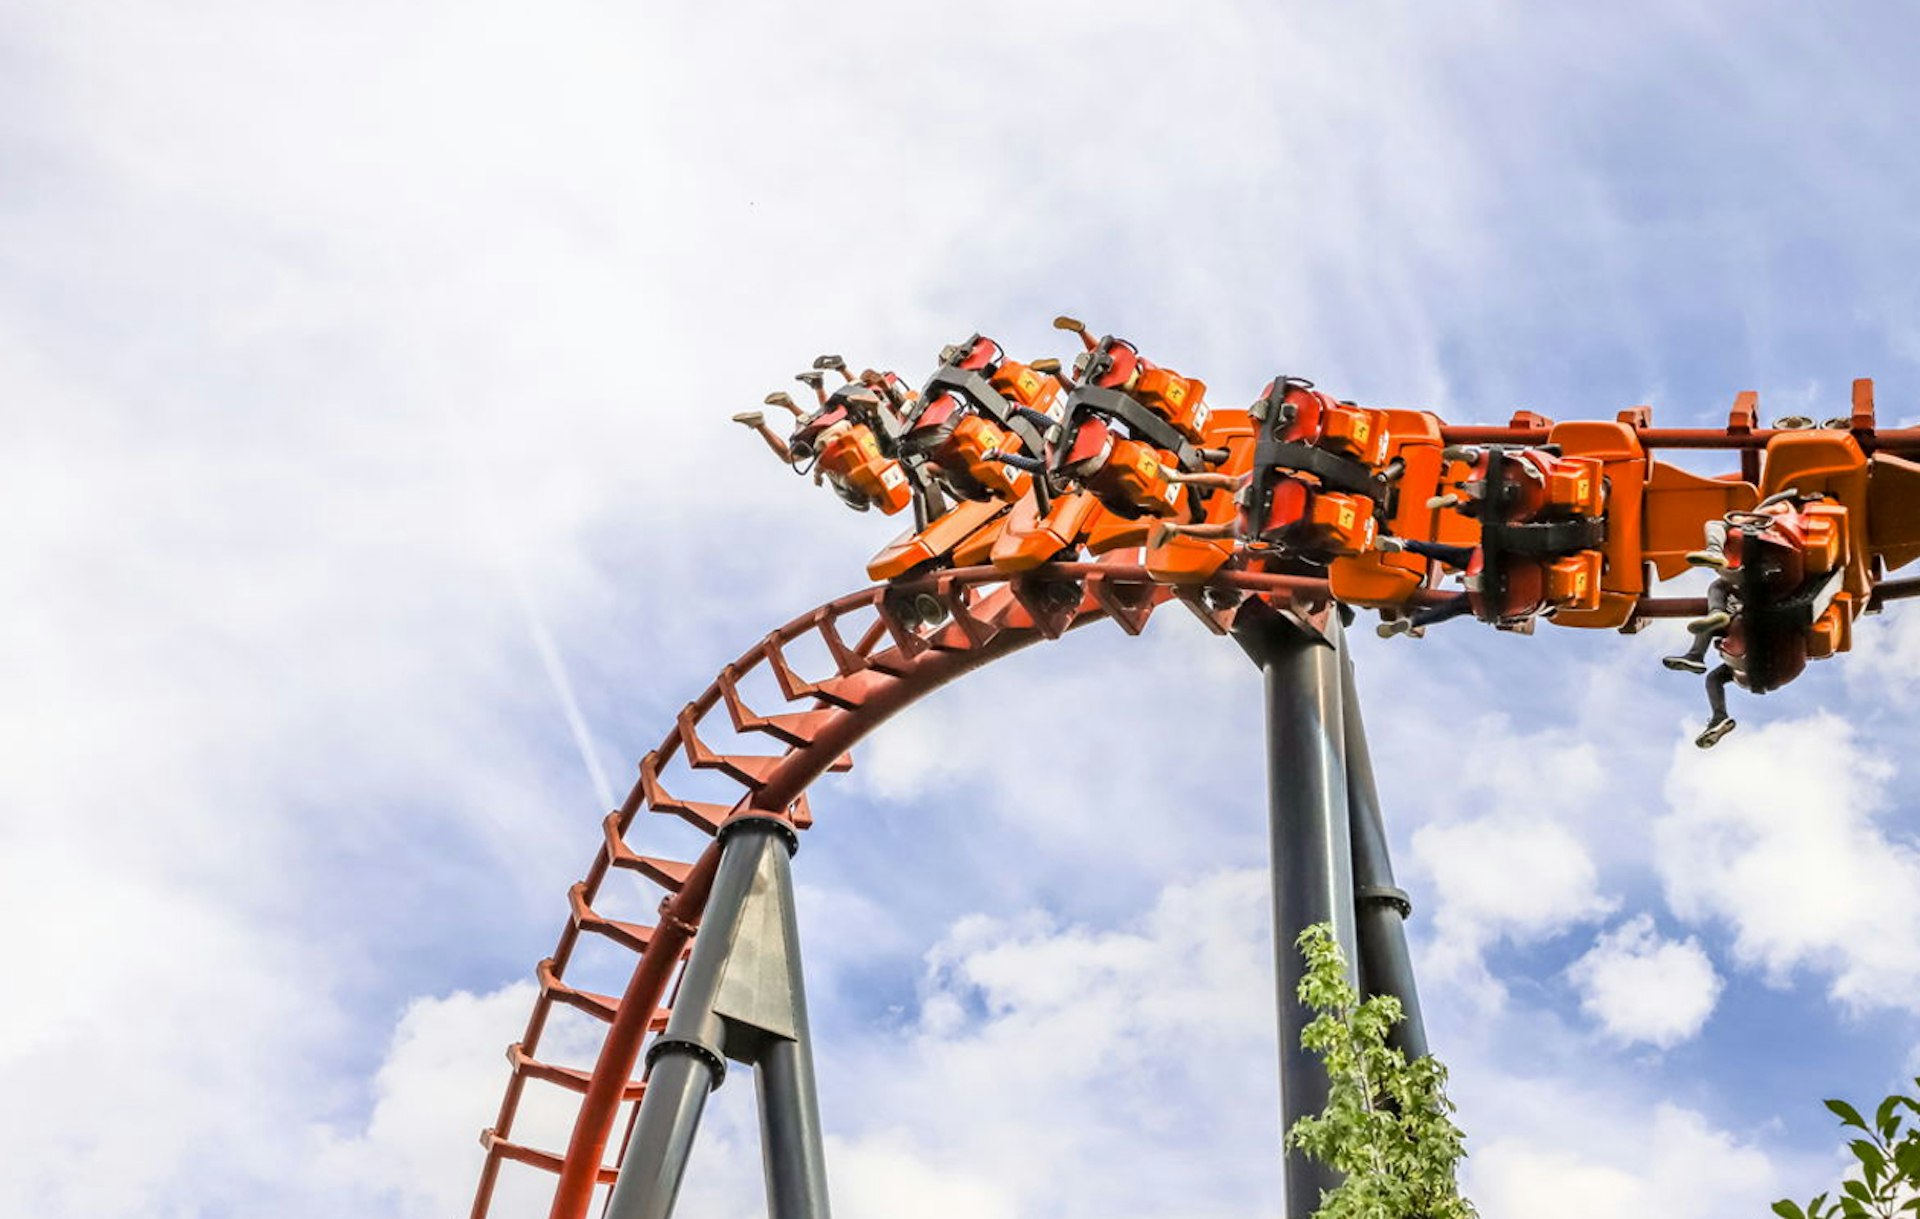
(1773, 591)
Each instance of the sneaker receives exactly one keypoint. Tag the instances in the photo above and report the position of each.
(1684, 664)
(1708, 558)
(1712, 622)
(1713, 732)
(1399, 626)
(750, 418)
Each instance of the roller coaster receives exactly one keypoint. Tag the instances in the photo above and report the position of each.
(1045, 497)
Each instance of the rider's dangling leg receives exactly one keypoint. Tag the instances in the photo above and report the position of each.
(1705, 630)
(1721, 723)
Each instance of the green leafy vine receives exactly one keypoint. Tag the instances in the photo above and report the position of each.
(1387, 1124)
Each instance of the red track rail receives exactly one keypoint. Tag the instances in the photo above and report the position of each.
(888, 667)
(1891, 440)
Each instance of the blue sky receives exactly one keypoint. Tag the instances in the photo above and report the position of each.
(367, 370)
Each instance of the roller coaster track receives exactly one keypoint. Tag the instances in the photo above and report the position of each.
(880, 663)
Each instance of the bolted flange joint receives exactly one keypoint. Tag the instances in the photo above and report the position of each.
(763, 821)
(1387, 894)
(689, 1047)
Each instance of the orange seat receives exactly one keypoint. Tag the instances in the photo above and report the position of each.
(1624, 465)
(1031, 539)
(1893, 509)
(1380, 579)
(1191, 560)
(1679, 505)
(1829, 463)
(948, 533)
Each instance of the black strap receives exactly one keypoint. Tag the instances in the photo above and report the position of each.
(1501, 539)
(1334, 471)
(1142, 423)
(1538, 539)
(975, 390)
(1774, 623)
(1810, 598)
(1274, 457)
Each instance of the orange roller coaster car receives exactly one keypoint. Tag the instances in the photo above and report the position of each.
(1319, 480)
(1104, 476)
(978, 409)
(1021, 465)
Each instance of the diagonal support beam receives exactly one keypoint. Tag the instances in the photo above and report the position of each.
(742, 998)
(1382, 908)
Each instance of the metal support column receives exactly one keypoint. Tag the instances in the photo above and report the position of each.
(1312, 849)
(1383, 908)
(740, 997)
(765, 1009)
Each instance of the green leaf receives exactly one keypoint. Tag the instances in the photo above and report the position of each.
(1847, 1114)
(1870, 1159)
(1788, 1210)
(1856, 1189)
(1906, 1157)
(1887, 1118)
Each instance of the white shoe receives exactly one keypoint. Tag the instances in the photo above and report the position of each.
(1713, 732)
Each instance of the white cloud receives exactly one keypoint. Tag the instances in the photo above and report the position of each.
(443, 1068)
(884, 1174)
(1886, 656)
(1641, 986)
(1616, 1164)
(1778, 834)
(128, 1036)
(1059, 1054)
(1505, 876)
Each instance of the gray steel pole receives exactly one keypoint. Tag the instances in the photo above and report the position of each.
(662, 1140)
(687, 1060)
(1311, 843)
(1383, 908)
(795, 1164)
(790, 1135)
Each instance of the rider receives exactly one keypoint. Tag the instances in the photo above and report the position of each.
(841, 442)
(1779, 567)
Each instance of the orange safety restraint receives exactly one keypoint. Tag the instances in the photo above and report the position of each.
(1317, 488)
(1124, 421)
(839, 441)
(1788, 565)
(1542, 528)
